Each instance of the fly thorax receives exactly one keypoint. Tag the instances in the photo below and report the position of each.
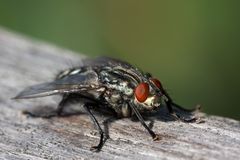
(114, 82)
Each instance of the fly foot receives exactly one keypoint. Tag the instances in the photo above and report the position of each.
(157, 137)
(95, 148)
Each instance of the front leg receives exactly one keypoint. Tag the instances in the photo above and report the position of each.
(169, 104)
(155, 136)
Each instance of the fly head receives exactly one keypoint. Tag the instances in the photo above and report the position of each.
(149, 95)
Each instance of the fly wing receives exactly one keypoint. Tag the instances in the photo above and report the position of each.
(69, 84)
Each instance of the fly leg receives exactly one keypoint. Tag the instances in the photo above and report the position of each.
(68, 98)
(98, 147)
(197, 108)
(46, 112)
(42, 111)
(62, 104)
(49, 112)
(155, 136)
(176, 116)
(169, 102)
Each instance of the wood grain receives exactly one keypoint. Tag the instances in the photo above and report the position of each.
(25, 62)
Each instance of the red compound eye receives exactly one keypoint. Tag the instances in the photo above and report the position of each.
(157, 83)
(142, 92)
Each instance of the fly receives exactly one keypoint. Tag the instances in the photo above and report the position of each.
(110, 84)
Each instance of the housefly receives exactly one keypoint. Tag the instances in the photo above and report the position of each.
(110, 84)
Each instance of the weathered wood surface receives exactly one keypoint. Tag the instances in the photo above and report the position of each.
(26, 62)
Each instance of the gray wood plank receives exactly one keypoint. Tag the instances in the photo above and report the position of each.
(25, 62)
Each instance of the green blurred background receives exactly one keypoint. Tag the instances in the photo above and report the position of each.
(191, 45)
